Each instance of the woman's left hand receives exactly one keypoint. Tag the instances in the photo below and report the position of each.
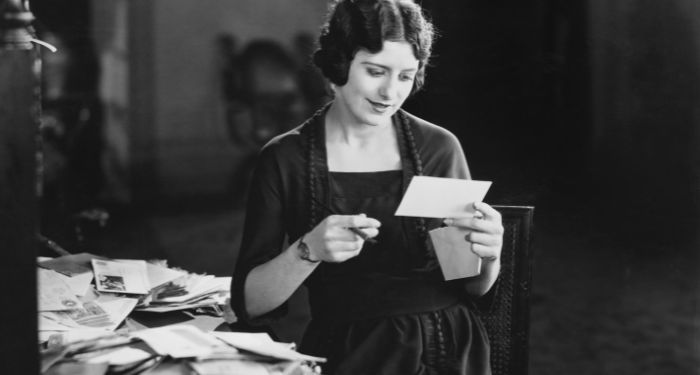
(484, 231)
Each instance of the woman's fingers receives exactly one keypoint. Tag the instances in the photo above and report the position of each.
(341, 225)
(489, 212)
(345, 234)
(476, 224)
(338, 242)
(484, 230)
(484, 239)
(345, 246)
(370, 232)
(340, 251)
(487, 220)
(356, 221)
(487, 252)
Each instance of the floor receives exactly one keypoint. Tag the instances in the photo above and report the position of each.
(602, 303)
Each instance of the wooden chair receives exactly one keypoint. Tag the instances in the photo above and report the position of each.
(505, 310)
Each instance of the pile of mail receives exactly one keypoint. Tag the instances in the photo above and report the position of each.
(83, 300)
(189, 291)
(203, 353)
(83, 293)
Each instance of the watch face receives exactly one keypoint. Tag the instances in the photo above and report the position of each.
(305, 254)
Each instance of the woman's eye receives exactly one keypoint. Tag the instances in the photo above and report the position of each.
(406, 78)
(375, 72)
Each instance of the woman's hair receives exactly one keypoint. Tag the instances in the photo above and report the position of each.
(356, 24)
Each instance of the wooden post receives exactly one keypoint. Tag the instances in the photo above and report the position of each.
(19, 125)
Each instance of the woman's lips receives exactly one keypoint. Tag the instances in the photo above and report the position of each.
(379, 107)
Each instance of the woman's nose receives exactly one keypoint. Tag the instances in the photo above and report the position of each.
(388, 88)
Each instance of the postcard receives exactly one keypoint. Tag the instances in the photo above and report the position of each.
(157, 275)
(54, 293)
(120, 277)
(106, 312)
(439, 197)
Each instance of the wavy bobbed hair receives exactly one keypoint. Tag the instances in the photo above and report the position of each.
(356, 24)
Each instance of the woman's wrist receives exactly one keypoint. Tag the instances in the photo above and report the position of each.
(493, 266)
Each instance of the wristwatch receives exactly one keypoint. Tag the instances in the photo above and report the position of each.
(304, 252)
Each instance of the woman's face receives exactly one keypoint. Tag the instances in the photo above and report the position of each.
(378, 84)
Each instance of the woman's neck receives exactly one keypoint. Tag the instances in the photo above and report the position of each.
(355, 147)
(343, 128)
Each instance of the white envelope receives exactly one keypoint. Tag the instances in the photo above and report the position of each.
(439, 197)
(454, 253)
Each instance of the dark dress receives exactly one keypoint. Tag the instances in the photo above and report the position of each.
(388, 310)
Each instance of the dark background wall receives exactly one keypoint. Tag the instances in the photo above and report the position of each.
(646, 90)
(590, 100)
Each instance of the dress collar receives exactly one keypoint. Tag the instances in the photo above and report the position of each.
(317, 156)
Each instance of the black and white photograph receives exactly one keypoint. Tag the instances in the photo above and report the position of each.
(111, 283)
(452, 187)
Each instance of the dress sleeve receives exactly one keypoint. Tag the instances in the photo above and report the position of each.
(263, 234)
(455, 161)
(443, 156)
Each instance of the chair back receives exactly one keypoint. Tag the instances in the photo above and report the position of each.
(505, 309)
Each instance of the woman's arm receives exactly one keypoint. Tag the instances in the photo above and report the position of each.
(479, 285)
(266, 274)
(272, 283)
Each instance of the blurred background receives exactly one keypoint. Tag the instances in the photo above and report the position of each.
(153, 112)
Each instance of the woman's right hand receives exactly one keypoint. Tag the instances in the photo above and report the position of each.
(332, 241)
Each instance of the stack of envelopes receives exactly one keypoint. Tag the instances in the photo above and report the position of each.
(191, 291)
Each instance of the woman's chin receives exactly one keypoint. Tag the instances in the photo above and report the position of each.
(378, 119)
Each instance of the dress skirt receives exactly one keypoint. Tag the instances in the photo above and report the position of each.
(449, 341)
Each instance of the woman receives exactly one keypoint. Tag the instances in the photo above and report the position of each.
(381, 307)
